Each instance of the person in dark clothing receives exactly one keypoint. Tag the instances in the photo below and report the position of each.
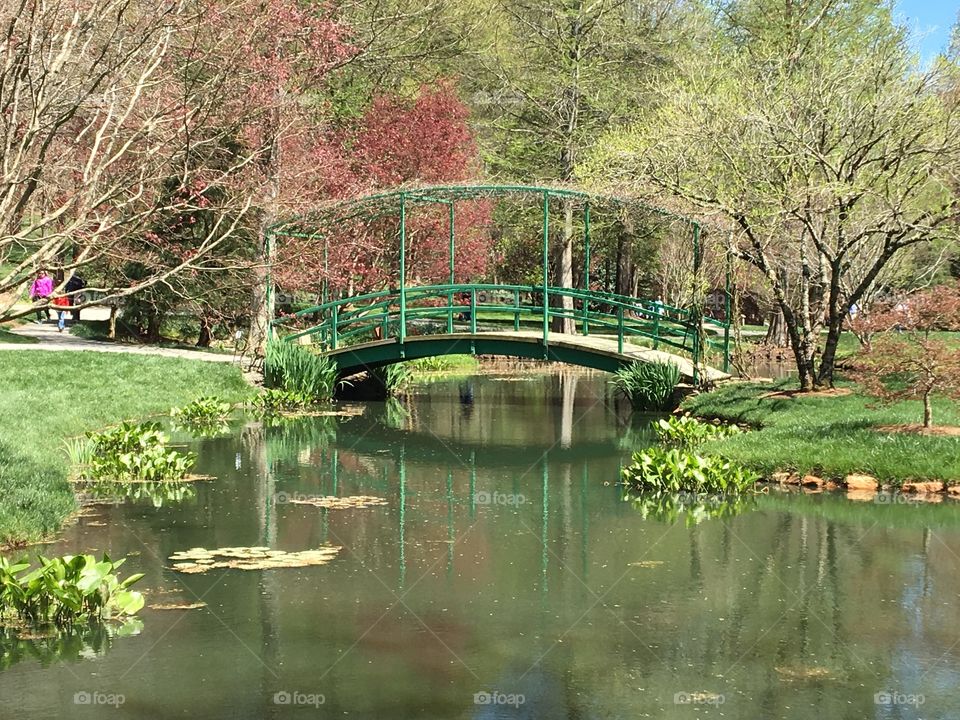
(74, 284)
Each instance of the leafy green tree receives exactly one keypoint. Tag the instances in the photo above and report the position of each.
(552, 75)
(806, 131)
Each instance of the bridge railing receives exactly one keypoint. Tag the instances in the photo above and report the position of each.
(457, 308)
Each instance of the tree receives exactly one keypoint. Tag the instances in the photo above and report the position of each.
(553, 76)
(104, 105)
(906, 361)
(806, 131)
(399, 140)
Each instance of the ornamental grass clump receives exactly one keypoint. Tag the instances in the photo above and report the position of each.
(295, 369)
(648, 385)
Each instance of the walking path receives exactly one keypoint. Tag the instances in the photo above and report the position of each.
(48, 338)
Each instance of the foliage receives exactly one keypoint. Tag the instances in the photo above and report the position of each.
(393, 378)
(906, 361)
(828, 435)
(649, 386)
(444, 363)
(277, 400)
(694, 508)
(297, 370)
(136, 452)
(901, 367)
(676, 470)
(689, 431)
(66, 590)
(814, 141)
(205, 416)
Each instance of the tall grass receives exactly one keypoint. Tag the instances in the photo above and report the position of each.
(294, 368)
(648, 385)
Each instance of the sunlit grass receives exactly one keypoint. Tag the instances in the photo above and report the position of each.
(830, 436)
(49, 396)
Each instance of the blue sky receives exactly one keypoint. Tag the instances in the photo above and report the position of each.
(930, 21)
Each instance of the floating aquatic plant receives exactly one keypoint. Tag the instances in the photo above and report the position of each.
(332, 502)
(201, 560)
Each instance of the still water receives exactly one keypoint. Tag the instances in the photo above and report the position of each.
(505, 578)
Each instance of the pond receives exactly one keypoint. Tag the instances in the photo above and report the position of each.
(504, 578)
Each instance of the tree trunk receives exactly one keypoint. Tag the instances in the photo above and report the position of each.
(828, 360)
(777, 330)
(153, 327)
(927, 411)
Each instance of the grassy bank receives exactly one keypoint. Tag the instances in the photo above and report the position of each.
(9, 337)
(48, 397)
(829, 436)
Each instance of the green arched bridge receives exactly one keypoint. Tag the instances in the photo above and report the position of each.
(412, 321)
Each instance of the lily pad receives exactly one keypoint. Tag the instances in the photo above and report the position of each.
(200, 560)
(332, 502)
(178, 606)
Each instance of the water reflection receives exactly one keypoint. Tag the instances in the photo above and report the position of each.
(506, 561)
(49, 645)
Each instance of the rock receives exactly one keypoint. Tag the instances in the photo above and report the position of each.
(862, 482)
(781, 477)
(934, 486)
(861, 495)
(953, 490)
(812, 481)
(831, 485)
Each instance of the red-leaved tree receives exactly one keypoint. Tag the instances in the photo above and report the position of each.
(905, 360)
(421, 140)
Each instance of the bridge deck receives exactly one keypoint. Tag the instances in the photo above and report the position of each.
(352, 358)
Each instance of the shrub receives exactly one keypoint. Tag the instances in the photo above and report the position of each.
(674, 470)
(649, 386)
(688, 431)
(296, 369)
(205, 416)
(66, 590)
(136, 452)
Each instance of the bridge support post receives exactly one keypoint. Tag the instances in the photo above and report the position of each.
(450, 296)
(403, 267)
(696, 314)
(586, 268)
(546, 268)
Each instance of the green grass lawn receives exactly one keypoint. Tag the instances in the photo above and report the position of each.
(829, 436)
(8, 337)
(49, 396)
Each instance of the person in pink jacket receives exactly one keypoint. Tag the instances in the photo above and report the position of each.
(42, 289)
